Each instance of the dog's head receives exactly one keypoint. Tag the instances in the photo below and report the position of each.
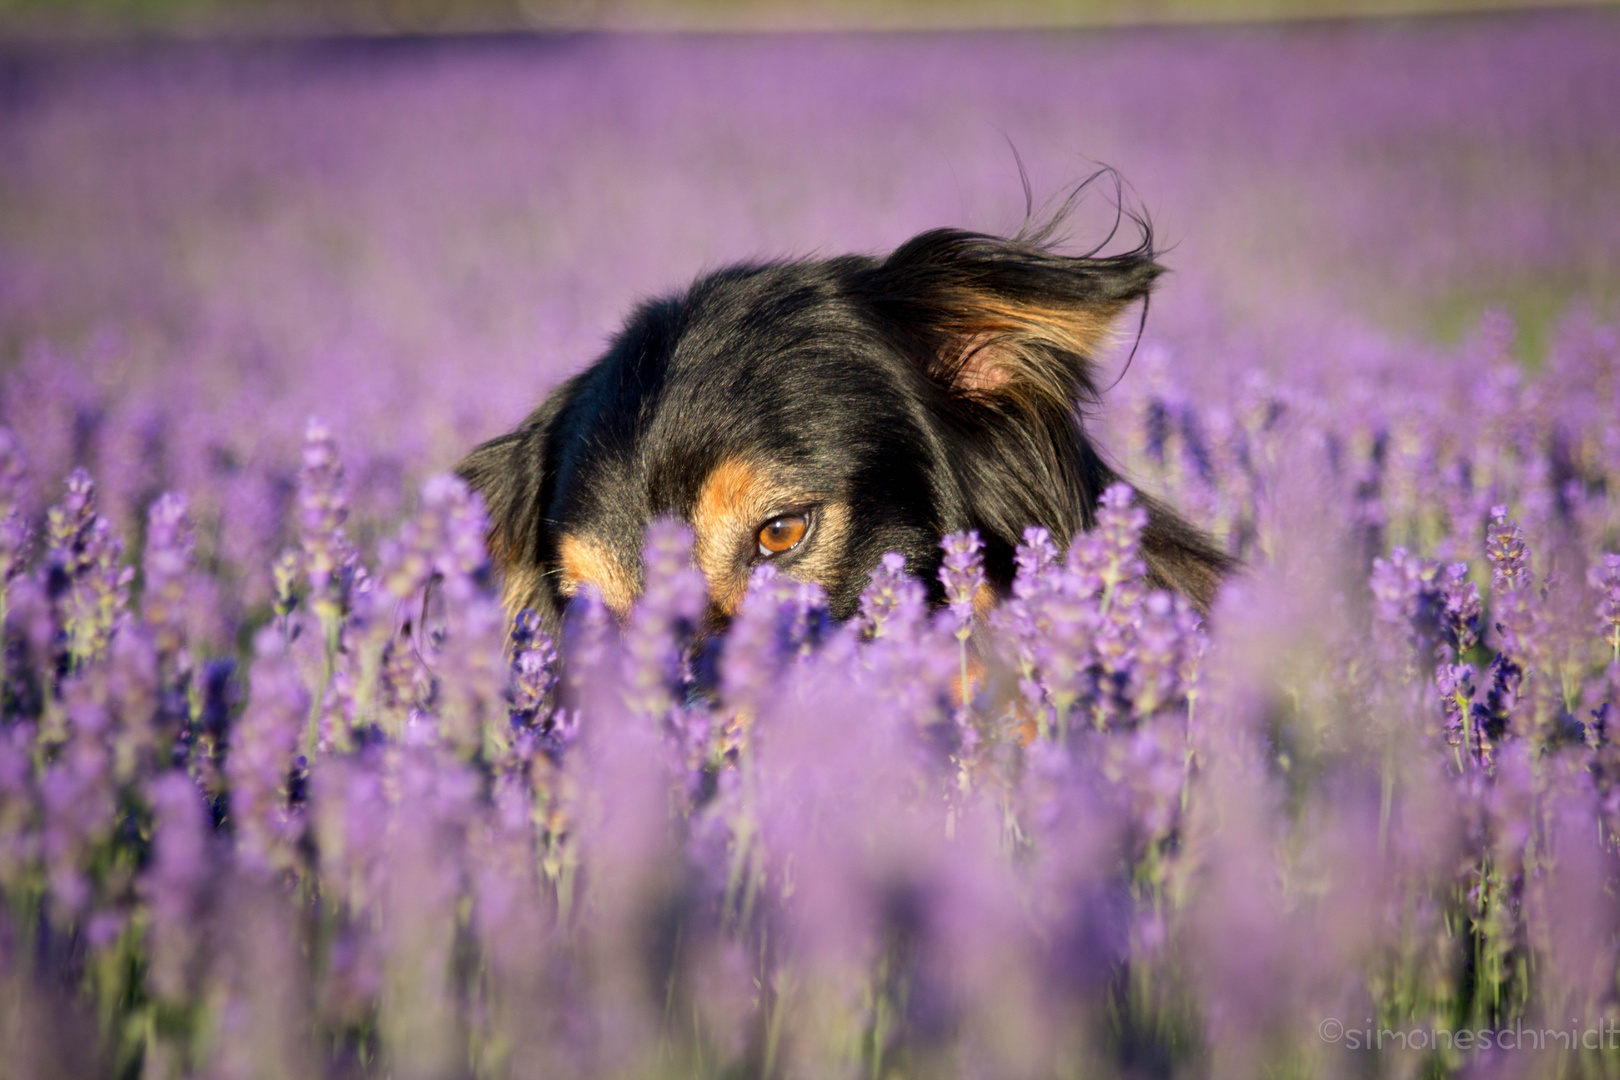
(815, 415)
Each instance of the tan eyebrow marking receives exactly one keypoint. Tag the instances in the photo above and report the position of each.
(584, 560)
(734, 496)
(737, 496)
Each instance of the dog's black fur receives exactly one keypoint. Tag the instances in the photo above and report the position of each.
(887, 400)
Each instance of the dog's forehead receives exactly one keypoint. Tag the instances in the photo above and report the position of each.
(754, 395)
(769, 366)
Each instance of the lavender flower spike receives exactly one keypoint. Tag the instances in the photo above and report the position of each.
(1034, 558)
(264, 746)
(323, 507)
(13, 521)
(85, 565)
(1161, 639)
(174, 882)
(663, 620)
(962, 574)
(533, 670)
(166, 563)
(1462, 607)
(894, 600)
(1606, 580)
(1113, 548)
(1505, 548)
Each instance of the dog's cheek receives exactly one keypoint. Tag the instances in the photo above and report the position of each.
(520, 588)
(827, 558)
(726, 591)
(586, 561)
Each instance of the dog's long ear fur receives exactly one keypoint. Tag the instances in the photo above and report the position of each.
(997, 318)
(511, 474)
(1008, 329)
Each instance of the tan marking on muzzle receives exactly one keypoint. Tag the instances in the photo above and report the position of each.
(585, 561)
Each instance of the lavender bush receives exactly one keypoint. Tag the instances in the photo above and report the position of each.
(284, 792)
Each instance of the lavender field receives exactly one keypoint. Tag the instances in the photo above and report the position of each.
(284, 792)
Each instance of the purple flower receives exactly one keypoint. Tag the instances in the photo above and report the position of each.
(533, 671)
(166, 570)
(1021, 620)
(962, 574)
(1398, 585)
(1065, 656)
(466, 649)
(146, 712)
(1462, 607)
(85, 577)
(1456, 685)
(1035, 559)
(894, 603)
(1506, 551)
(590, 642)
(1163, 640)
(14, 530)
(1114, 550)
(777, 622)
(323, 507)
(1606, 580)
(286, 573)
(1500, 709)
(443, 540)
(663, 622)
(1514, 609)
(259, 765)
(175, 884)
(77, 800)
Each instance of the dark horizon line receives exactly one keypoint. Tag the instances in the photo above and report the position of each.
(296, 21)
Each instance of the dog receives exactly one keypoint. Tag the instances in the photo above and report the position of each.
(816, 414)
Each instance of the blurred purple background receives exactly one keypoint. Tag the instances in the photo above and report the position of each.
(432, 232)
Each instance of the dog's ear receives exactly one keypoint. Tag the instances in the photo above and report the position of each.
(510, 473)
(507, 472)
(992, 317)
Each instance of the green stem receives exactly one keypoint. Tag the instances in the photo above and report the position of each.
(1467, 724)
(312, 737)
(782, 987)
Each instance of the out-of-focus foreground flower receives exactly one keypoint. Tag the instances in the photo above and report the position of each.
(359, 823)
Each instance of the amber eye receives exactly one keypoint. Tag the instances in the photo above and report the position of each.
(782, 534)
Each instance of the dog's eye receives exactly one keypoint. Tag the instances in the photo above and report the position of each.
(782, 534)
